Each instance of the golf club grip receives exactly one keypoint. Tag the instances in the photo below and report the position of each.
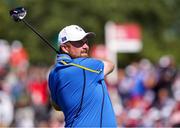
(44, 39)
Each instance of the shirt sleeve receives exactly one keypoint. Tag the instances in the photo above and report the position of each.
(52, 86)
(95, 65)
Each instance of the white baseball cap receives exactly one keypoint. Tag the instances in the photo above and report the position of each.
(73, 33)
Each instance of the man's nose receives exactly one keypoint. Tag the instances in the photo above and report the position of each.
(86, 46)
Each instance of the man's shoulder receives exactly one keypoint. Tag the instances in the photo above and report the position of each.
(90, 63)
(76, 65)
(57, 68)
(87, 61)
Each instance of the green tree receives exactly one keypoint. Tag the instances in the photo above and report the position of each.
(159, 20)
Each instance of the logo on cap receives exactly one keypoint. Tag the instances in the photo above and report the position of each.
(64, 39)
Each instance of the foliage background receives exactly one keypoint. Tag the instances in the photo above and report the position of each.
(159, 21)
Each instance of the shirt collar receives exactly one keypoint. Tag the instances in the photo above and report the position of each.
(64, 57)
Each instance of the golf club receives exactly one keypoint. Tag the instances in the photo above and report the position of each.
(18, 14)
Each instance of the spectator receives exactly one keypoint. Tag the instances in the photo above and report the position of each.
(6, 108)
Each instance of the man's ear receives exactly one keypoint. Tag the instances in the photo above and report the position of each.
(65, 48)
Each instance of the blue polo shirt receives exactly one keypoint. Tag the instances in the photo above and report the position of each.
(66, 82)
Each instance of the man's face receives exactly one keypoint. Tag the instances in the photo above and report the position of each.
(78, 48)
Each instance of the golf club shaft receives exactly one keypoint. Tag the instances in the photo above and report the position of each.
(44, 39)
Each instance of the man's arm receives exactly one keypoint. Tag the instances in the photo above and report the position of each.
(108, 67)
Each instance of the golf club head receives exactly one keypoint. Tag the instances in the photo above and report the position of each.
(18, 13)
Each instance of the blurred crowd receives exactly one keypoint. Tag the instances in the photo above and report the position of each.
(24, 96)
(146, 95)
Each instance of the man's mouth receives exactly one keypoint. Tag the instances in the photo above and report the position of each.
(85, 52)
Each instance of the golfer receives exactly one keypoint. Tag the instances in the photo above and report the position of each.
(76, 82)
